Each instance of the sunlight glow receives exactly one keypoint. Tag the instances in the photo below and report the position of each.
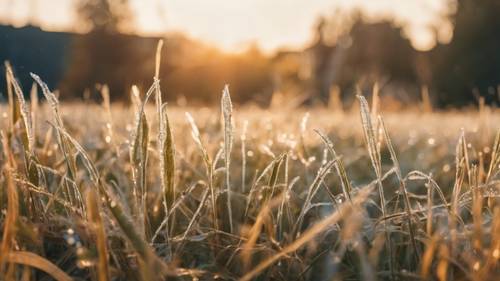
(233, 25)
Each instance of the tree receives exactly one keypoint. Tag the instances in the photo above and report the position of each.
(104, 55)
(470, 64)
(363, 54)
(104, 15)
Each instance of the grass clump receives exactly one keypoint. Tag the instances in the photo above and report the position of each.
(105, 200)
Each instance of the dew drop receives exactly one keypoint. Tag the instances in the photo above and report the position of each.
(71, 240)
(84, 263)
(476, 266)
(446, 168)
(80, 251)
(496, 253)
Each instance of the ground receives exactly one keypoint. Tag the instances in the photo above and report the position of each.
(315, 194)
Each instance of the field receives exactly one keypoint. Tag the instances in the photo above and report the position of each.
(149, 192)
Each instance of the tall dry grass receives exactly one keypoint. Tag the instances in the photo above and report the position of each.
(298, 196)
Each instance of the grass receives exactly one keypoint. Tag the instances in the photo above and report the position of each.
(88, 192)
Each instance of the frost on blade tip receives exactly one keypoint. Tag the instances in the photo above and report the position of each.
(226, 100)
(51, 98)
(167, 161)
(365, 117)
(25, 110)
(194, 129)
(227, 111)
(87, 162)
(140, 116)
(369, 133)
(195, 134)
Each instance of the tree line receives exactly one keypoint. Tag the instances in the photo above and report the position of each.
(457, 73)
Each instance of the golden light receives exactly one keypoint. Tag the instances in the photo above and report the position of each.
(233, 25)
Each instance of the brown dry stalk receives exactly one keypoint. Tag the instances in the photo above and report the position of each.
(36, 261)
(11, 217)
(95, 220)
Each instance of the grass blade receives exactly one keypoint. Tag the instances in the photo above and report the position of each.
(95, 221)
(339, 166)
(29, 137)
(36, 261)
(167, 160)
(227, 112)
(402, 185)
(374, 152)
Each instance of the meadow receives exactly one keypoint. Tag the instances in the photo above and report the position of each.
(150, 191)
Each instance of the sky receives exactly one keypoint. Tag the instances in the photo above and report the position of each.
(232, 25)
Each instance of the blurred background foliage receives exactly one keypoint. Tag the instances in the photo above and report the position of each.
(347, 54)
